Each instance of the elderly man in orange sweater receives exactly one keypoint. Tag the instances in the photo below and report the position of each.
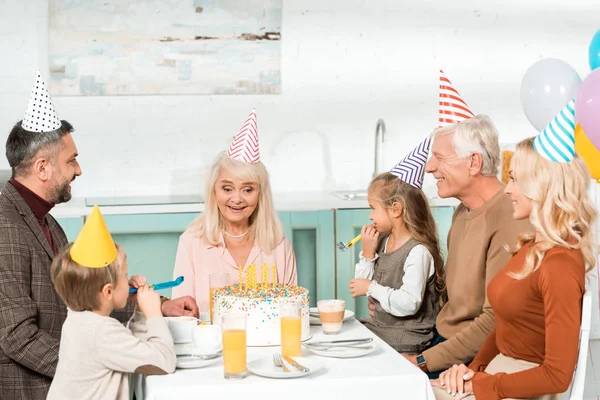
(465, 161)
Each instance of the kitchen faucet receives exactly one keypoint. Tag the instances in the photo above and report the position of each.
(380, 127)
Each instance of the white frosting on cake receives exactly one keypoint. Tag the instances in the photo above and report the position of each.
(261, 306)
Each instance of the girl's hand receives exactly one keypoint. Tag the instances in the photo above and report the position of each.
(457, 379)
(359, 287)
(148, 302)
(369, 237)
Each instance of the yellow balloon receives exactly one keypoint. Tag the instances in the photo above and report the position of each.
(586, 150)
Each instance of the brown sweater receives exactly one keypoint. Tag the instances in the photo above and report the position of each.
(476, 252)
(537, 319)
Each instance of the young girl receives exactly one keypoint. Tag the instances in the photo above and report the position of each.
(97, 353)
(239, 226)
(537, 297)
(400, 266)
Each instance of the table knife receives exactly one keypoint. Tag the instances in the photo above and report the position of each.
(295, 364)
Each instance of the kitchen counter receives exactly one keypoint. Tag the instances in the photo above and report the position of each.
(290, 201)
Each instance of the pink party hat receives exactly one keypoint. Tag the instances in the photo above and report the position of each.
(245, 144)
(453, 108)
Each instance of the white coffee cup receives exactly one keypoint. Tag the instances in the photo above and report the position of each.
(207, 340)
(181, 328)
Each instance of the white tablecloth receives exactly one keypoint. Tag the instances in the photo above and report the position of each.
(381, 374)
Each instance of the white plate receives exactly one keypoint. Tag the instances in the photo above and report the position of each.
(185, 362)
(265, 367)
(343, 352)
(316, 321)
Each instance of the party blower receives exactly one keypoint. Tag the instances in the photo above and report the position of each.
(161, 286)
(345, 246)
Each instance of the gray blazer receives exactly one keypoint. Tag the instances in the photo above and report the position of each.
(31, 312)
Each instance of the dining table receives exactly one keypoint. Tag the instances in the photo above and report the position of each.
(383, 373)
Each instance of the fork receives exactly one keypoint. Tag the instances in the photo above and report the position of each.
(279, 362)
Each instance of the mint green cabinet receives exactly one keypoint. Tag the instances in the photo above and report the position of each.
(349, 224)
(313, 239)
(150, 241)
(71, 226)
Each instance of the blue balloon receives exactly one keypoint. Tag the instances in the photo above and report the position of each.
(595, 51)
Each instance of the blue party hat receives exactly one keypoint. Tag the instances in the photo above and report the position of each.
(557, 141)
(412, 167)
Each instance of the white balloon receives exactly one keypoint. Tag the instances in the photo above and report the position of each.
(546, 88)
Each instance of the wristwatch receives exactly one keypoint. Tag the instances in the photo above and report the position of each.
(422, 363)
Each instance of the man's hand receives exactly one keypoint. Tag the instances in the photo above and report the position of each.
(359, 287)
(412, 358)
(182, 306)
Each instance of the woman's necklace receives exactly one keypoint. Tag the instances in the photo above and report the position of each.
(236, 236)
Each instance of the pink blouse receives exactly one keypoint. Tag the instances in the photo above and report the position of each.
(196, 259)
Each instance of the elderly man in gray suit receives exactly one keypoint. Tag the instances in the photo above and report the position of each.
(43, 158)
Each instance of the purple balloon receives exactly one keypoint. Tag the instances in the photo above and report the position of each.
(587, 106)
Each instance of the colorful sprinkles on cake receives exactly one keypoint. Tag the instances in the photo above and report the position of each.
(247, 298)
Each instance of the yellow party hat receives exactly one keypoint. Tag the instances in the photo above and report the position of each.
(94, 247)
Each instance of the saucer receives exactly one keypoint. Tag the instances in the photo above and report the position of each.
(342, 351)
(186, 362)
(316, 321)
(266, 367)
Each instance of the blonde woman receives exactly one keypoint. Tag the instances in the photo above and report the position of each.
(537, 297)
(239, 226)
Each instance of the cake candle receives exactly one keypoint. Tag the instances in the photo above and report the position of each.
(274, 269)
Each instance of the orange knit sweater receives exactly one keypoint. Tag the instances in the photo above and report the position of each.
(538, 319)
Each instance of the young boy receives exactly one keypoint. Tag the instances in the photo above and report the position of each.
(97, 353)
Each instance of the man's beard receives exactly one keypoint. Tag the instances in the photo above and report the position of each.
(60, 193)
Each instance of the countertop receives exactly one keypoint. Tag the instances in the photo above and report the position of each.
(289, 201)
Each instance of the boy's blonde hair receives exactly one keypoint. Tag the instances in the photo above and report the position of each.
(265, 227)
(387, 189)
(79, 286)
(561, 210)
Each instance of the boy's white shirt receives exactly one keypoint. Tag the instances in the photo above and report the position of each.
(418, 268)
(98, 353)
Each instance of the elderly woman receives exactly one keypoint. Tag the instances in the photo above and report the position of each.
(239, 226)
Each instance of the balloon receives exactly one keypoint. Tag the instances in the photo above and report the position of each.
(587, 151)
(595, 51)
(587, 106)
(546, 87)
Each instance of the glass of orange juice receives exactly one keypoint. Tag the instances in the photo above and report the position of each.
(291, 327)
(216, 280)
(234, 346)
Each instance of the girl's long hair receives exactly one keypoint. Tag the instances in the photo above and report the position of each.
(418, 219)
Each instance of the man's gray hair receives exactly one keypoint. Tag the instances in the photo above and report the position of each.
(22, 146)
(476, 135)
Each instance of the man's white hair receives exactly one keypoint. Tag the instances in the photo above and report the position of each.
(476, 135)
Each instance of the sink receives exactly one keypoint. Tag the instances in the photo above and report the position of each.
(351, 195)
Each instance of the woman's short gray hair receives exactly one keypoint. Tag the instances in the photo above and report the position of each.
(476, 135)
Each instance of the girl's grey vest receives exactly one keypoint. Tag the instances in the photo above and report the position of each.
(410, 334)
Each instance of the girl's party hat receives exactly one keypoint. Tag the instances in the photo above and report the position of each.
(245, 144)
(412, 167)
(40, 115)
(453, 108)
(557, 141)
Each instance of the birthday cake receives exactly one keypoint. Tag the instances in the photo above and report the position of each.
(260, 303)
